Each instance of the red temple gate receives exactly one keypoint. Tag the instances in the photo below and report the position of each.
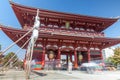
(62, 34)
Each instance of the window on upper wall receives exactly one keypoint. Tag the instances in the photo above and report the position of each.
(63, 27)
(76, 28)
(82, 29)
(88, 29)
(71, 28)
(42, 24)
(56, 26)
(49, 25)
(92, 30)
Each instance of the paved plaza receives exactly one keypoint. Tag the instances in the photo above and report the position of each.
(60, 75)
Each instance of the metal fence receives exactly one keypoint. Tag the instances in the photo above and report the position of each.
(52, 65)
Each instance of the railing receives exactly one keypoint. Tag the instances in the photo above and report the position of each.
(97, 60)
(52, 65)
(57, 31)
(71, 32)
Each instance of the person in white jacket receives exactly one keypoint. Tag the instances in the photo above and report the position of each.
(69, 66)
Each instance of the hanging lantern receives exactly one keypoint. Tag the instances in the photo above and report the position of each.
(51, 55)
(80, 57)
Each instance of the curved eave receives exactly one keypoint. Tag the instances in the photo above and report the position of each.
(15, 34)
(19, 9)
(107, 42)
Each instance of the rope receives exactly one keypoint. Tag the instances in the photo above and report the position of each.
(29, 65)
(16, 42)
(15, 54)
(29, 59)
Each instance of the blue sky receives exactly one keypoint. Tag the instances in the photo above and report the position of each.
(100, 8)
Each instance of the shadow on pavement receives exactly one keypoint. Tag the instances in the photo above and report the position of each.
(40, 74)
(2, 74)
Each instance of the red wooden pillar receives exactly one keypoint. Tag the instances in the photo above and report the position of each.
(101, 56)
(59, 54)
(43, 56)
(59, 57)
(67, 57)
(88, 54)
(71, 57)
(75, 59)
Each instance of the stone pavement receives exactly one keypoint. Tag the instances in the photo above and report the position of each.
(60, 75)
(101, 75)
(50, 75)
(12, 75)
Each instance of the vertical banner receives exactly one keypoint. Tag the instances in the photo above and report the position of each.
(67, 24)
